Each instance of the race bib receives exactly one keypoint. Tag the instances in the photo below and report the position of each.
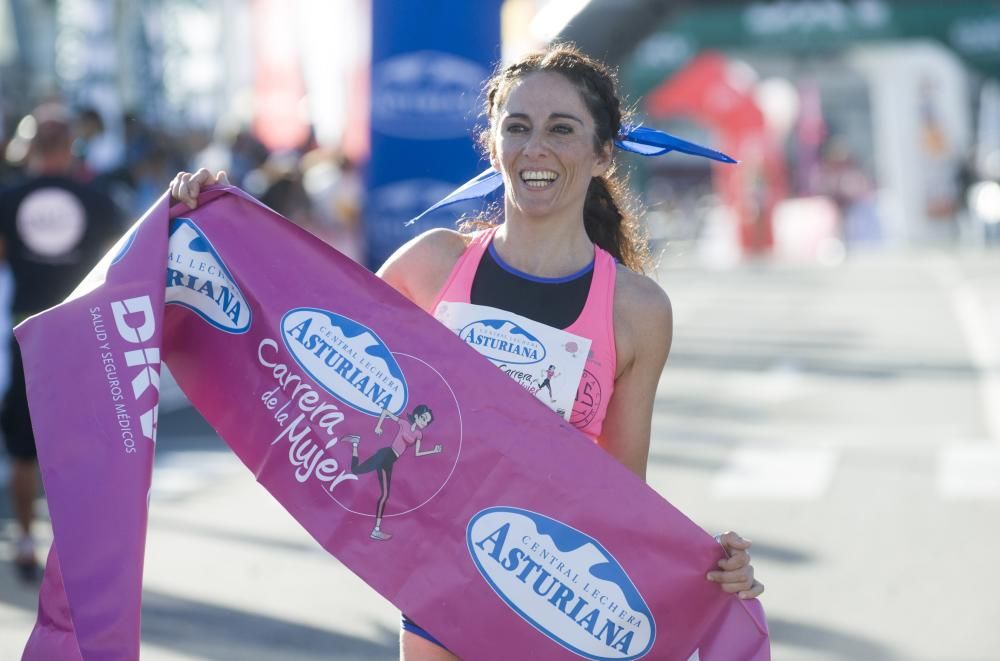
(547, 362)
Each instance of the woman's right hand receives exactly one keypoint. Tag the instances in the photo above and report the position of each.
(186, 186)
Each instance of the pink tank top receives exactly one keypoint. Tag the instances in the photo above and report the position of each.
(595, 322)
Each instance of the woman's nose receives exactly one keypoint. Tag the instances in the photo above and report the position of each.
(535, 144)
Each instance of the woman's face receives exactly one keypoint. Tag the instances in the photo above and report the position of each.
(421, 420)
(543, 138)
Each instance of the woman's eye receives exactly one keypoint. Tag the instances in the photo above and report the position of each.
(562, 128)
(516, 128)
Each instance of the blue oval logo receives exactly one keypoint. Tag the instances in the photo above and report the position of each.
(346, 358)
(562, 582)
(425, 95)
(504, 341)
(199, 280)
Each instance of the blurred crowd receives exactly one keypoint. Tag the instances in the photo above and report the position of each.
(317, 188)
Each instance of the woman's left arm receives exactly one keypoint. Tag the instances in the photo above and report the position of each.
(643, 327)
(643, 321)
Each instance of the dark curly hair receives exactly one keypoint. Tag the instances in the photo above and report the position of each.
(609, 214)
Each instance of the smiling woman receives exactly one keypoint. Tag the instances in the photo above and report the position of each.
(562, 262)
(567, 247)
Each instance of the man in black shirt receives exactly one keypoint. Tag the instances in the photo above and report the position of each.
(53, 230)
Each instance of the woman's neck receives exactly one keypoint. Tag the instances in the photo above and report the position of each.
(545, 248)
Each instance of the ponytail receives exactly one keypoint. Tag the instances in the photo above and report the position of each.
(612, 228)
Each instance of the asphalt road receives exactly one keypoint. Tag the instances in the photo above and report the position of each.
(845, 418)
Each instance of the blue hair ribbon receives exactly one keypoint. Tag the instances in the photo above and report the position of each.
(635, 139)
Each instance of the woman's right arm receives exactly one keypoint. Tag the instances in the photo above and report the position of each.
(419, 268)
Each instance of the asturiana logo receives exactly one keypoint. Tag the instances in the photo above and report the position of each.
(425, 95)
(563, 582)
(346, 358)
(503, 340)
(199, 280)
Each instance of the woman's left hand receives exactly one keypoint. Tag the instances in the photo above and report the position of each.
(735, 573)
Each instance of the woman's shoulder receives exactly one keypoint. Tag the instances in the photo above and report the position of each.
(643, 315)
(438, 242)
(640, 296)
(421, 266)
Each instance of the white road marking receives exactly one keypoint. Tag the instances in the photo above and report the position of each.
(983, 351)
(969, 471)
(779, 473)
(781, 382)
(980, 335)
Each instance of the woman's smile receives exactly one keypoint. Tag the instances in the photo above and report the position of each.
(539, 179)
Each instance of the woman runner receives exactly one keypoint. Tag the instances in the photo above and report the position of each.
(565, 251)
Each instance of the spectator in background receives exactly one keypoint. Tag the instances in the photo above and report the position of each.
(150, 173)
(150, 160)
(87, 128)
(247, 153)
(278, 184)
(842, 179)
(53, 229)
(336, 192)
(320, 192)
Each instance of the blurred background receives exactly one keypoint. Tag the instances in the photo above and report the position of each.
(833, 391)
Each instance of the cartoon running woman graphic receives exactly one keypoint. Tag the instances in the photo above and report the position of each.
(384, 458)
(549, 374)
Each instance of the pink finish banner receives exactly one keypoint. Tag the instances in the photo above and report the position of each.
(505, 533)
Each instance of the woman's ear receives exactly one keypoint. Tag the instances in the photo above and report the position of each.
(603, 162)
